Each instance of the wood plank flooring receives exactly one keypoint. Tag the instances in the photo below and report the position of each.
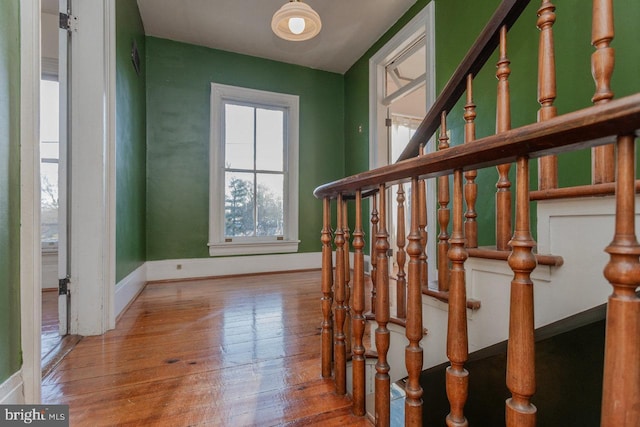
(53, 346)
(50, 334)
(241, 351)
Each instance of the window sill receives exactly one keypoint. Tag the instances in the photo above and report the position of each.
(253, 248)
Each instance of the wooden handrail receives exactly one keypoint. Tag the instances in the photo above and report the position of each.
(588, 127)
(505, 15)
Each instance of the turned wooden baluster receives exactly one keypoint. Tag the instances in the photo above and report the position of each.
(521, 376)
(347, 278)
(443, 213)
(470, 187)
(401, 281)
(602, 62)
(339, 346)
(358, 320)
(621, 382)
(413, 351)
(548, 165)
(457, 341)
(422, 226)
(383, 381)
(327, 285)
(374, 256)
(503, 123)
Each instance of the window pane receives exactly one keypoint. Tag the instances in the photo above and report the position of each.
(49, 201)
(402, 130)
(270, 205)
(49, 150)
(238, 206)
(238, 139)
(269, 139)
(406, 67)
(49, 117)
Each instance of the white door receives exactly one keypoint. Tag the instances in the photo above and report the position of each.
(64, 296)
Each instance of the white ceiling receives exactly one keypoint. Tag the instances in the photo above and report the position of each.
(349, 28)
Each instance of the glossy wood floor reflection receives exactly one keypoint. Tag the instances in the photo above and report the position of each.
(50, 335)
(240, 351)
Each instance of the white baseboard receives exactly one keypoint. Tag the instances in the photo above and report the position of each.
(12, 390)
(175, 269)
(226, 266)
(129, 287)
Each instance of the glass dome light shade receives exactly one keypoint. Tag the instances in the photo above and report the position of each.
(280, 23)
(296, 25)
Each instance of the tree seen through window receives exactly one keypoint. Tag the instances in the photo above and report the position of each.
(254, 171)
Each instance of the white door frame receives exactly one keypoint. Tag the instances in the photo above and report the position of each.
(30, 246)
(92, 168)
(94, 224)
(422, 23)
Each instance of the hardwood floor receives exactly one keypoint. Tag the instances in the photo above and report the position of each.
(49, 333)
(241, 351)
(53, 346)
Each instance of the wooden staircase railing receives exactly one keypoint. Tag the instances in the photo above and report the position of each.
(609, 122)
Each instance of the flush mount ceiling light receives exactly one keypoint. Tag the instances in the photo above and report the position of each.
(296, 21)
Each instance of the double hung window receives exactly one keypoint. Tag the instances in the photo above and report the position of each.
(254, 172)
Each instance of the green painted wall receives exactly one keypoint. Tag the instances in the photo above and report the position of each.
(178, 89)
(458, 22)
(130, 141)
(10, 355)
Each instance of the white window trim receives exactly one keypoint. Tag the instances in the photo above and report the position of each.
(257, 245)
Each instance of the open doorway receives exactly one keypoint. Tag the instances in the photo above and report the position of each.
(401, 89)
(49, 231)
(53, 184)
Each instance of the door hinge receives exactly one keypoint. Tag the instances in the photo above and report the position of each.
(68, 22)
(63, 286)
(387, 122)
